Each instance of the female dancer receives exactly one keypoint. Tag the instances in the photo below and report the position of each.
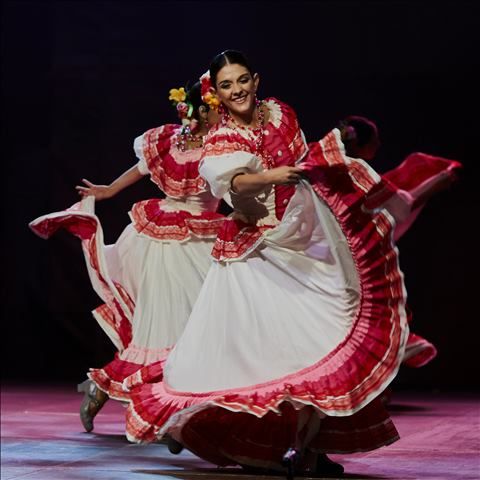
(300, 323)
(150, 278)
(404, 192)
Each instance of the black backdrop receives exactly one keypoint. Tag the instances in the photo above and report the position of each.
(81, 79)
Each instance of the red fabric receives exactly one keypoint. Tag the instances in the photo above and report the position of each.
(151, 373)
(149, 218)
(82, 226)
(418, 351)
(110, 378)
(236, 238)
(175, 179)
(415, 170)
(284, 145)
(225, 439)
(418, 168)
(86, 226)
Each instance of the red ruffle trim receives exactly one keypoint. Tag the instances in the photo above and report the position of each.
(228, 439)
(150, 219)
(236, 239)
(418, 351)
(175, 179)
(115, 315)
(417, 169)
(118, 375)
(110, 378)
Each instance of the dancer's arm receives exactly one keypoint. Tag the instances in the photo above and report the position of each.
(253, 183)
(101, 192)
(443, 184)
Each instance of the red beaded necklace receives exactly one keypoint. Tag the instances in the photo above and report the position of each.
(255, 133)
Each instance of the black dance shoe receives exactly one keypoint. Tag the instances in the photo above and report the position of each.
(93, 400)
(174, 446)
(290, 460)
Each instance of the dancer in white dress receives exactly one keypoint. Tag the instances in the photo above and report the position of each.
(300, 324)
(150, 278)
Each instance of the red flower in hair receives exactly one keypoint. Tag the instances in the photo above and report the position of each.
(206, 84)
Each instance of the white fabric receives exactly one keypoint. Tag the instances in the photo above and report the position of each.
(219, 172)
(142, 163)
(194, 204)
(279, 310)
(164, 279)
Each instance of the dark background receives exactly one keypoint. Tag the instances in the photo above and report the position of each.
(81, 79)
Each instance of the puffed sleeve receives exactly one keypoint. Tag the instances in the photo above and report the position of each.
(153, 146)
(224, 157)
(142, 163)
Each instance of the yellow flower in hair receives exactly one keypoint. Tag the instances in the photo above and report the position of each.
(177, 94)
(211, 100)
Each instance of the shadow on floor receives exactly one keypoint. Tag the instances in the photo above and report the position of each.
(232, 473)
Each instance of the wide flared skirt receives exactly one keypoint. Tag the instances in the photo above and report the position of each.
(314, 316)
(149, 287)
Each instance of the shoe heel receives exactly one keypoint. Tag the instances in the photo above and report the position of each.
(83, 387)
(289, 460)
(174, 446)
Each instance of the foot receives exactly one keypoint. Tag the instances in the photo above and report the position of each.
(290, 460)
(93, 401)
(174, 446)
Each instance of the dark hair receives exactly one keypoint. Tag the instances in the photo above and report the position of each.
(365, 129)
(228, 57)
(194, 96)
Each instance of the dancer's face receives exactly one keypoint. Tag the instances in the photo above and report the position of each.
(213, 117)
(209, 117)
(366, 152)
(236, 89)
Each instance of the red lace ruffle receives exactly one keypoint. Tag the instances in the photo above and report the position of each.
(120, 373)
(150, 219)
(114, 317)
(110, 378)
(175, 179)
(236, 239)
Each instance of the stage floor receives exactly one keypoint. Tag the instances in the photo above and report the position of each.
(42, 438)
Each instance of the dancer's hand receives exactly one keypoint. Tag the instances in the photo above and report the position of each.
(100, 192)
(284, 175)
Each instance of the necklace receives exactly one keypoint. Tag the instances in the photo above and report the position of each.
(255, 133)
(186, 137)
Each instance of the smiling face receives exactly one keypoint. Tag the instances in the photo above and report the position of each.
(236, 89)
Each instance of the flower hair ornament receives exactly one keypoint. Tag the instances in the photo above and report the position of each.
(185, 109)
(348, 132)
(208, 96)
